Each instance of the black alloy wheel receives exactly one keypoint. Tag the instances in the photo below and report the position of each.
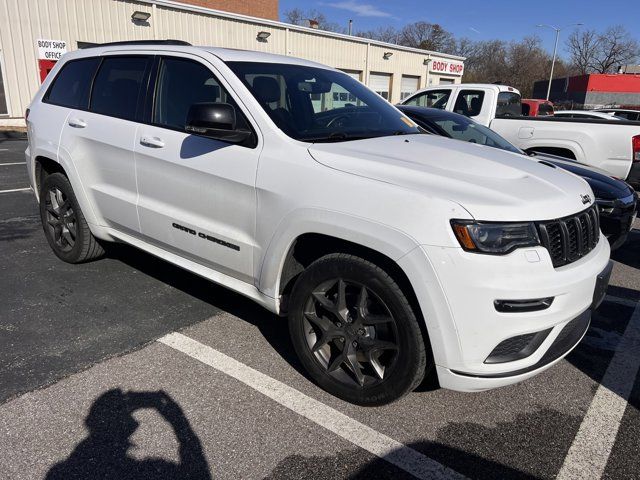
(351, 332)
(65, 227)
(355, 332)
(60, 219)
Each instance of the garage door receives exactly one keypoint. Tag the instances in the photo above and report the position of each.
(353, 74)
(408, 85)
(379, 83)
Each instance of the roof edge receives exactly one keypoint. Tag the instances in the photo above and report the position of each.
(282, 25)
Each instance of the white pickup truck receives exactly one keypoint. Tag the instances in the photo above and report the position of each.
(612, 146)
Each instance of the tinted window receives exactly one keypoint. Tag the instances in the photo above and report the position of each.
(181, 83)
(469, 103)
(509, 105)
(72, 85)
(545, 109)
(432, 98)
(300, 101)
(118, 86)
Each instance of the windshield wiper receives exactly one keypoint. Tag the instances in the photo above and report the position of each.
(333, 137)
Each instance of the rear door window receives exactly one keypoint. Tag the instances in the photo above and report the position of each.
(509, 105)
(72, 85)
(431, 98)
(469, 103)
(118, 87)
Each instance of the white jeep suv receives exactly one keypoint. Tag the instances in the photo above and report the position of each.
(393, 253)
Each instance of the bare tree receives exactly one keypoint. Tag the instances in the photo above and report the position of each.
(583, 46)
(615, 48)
(383, 34)
(592, 52)
(429, 36)
(297, 16)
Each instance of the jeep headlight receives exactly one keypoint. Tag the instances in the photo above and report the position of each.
(493, 237)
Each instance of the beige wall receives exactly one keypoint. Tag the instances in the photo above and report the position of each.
(22, 22)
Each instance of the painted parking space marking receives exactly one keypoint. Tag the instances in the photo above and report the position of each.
(15, 190)
(13, 163)
(592, 445)
(329, 418)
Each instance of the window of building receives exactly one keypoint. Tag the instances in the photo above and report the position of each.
(380, 83)
(118, 87)
(469, 103)
(72, 85)
(432, 98)
(4, 109)
(447, 81)
(408, 85)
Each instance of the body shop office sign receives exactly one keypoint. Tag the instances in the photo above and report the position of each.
(49, 52)
(446, 67)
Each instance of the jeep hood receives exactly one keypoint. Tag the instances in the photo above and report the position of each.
(490, 184)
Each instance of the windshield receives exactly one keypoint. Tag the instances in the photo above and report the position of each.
(319, 105)
(465, 129)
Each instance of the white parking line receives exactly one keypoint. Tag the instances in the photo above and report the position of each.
(13, 163)
(590, 450)
(15, 190)
(346, 427)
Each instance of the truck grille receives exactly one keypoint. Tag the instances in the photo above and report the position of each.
(570, 238)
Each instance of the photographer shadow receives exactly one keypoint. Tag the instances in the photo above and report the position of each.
(104, 453)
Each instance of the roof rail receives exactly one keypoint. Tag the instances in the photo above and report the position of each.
(143, 42)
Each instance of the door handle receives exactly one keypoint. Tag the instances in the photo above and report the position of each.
(77, 123)
(151, 142)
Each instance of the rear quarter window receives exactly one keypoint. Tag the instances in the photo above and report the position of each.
(72, 85)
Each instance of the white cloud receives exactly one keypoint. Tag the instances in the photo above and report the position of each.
(362, 9)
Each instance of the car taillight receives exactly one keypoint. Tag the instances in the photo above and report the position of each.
(635, 142)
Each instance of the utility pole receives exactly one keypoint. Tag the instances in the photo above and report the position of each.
(555, 50)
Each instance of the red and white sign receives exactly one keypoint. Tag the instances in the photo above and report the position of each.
(446, 67)
(51, 49)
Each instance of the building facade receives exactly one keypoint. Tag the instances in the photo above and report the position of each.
(592, 91)
(256, 8)
(35, 33)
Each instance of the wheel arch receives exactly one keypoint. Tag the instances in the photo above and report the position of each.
(46, 163)
(559, 151)
(43, 167)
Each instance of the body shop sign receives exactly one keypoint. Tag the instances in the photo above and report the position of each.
(51, 49)
(446, 67)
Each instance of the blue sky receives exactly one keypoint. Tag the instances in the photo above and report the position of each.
(482, 20)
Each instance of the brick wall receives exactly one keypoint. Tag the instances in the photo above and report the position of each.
(255, 8)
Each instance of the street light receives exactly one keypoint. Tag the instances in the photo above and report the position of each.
(555, 48)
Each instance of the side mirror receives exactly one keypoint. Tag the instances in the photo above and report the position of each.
(215, 120)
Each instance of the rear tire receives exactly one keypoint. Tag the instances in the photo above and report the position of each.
(64, 224)
(355, 332)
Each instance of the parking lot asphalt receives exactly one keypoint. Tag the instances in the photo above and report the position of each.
(88, 391)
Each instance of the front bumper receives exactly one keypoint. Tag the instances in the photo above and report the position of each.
(616, 219)
(467, 327)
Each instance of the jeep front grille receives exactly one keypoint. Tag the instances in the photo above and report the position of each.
(572, 237)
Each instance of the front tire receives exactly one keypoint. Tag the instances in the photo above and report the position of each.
(355, 332)
(64, 224)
